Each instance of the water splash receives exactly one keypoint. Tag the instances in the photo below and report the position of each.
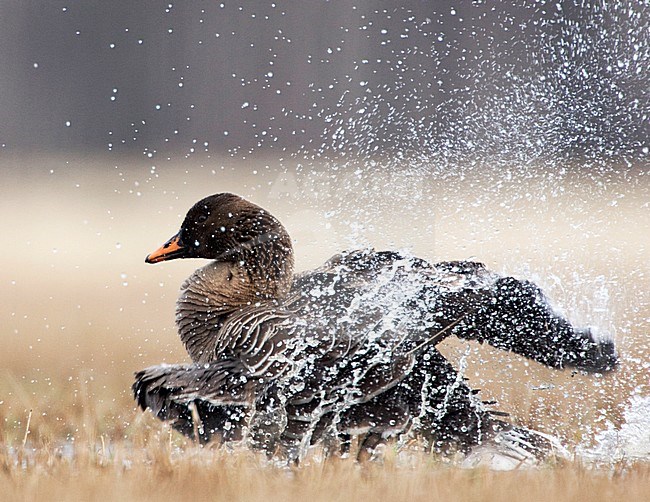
(630, 441)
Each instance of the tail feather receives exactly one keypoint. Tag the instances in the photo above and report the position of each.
(200, 401)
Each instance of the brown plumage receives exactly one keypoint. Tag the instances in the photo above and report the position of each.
(286, 362)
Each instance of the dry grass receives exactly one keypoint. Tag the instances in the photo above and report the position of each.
(79, 312)
(161, 470)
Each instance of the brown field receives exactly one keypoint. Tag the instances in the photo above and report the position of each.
(80, 312)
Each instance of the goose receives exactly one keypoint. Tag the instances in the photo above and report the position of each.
(284, 361)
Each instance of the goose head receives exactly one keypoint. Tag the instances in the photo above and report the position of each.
(227, 228)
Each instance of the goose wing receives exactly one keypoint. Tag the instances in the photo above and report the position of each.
(465, 299)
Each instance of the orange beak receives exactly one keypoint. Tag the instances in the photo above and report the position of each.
(168, 251)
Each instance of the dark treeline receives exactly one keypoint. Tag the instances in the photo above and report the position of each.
(153, 76)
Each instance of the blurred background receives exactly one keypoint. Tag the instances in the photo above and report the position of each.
(515, 134)
(156, 77)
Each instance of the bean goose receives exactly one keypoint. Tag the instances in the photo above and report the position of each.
(284, 361)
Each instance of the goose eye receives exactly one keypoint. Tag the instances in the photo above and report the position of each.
(202, 218)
